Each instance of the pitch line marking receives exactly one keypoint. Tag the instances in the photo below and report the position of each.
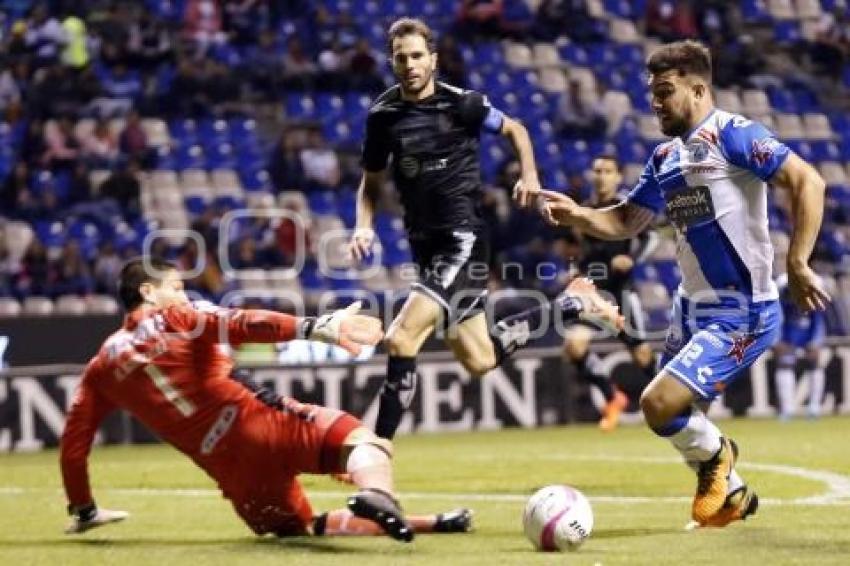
(837, 494)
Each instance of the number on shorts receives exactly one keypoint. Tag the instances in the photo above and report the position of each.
(690, 355)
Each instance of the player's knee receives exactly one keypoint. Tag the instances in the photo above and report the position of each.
(397, 343)
(477, 365)
(362, 436)
(653, 407)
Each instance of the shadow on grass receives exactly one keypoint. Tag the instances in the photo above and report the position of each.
(637, 532)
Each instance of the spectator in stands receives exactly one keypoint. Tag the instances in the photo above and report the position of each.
(79, 185)
(480, 19)
(320, 163)
(284, 164)
(299, 70)
(671, 20)
(210, 282)
(266, 65)
(75, 53)
(571, 18)
(33, 146)
(243, 19)
(8, 266)
(579, 114)
(17, 198)
(35, 277)
(72, 273)
(133, 141)
(363, 68)
(123, 186)
(331, 66)
(202, 23)
(450, 61)
(149, 43)
(99, 146)
(63, 149)
(831, 47)
(291, 236)
(186, 96)
(107, 266)
(114, 34)
(15, 47)
(45, 36)
(10, 93)
(121, 88)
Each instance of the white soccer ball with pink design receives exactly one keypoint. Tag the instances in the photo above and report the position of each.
(557, 518)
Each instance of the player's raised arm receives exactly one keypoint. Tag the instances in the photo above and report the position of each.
(527, 188)
(87, 411)
(345, 327)
(806, 188)
(619, 222)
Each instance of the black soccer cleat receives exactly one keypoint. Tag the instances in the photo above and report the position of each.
(380, 507)
(454, 521)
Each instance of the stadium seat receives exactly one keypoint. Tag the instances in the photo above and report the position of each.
(545, 55)
(653, 296)
(623, 31)
(781, 9)
(156, 131)
(649, 128)
(728, 100)
(18, 236)
(816, 126)
(70, 305)
(789, 126)
(833, 173)
(808, 9)
(225, 182)
(518, 56)
(9, 307)
(755, 103)
(37, 306)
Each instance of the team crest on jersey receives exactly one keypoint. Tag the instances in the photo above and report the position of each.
(409, 166)
(698, 150)
(762, 150)
(740, 344)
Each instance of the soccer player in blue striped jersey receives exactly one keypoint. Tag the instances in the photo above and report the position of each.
(711, 182)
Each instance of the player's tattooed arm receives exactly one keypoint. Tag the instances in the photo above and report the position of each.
(618, 222)
(807, 189)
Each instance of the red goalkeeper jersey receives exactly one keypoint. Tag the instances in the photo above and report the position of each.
(169, 368)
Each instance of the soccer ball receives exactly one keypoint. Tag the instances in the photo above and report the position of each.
(557, 517)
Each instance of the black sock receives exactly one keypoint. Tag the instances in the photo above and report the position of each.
(396, 394)
(586, 371)
(513, 332)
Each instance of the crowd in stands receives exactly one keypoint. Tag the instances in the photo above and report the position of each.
(121, 117)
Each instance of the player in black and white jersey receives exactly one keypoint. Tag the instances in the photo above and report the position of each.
(431, 130)
(609, 264)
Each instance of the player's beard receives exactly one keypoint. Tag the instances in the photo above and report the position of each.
(674, 125)
(426, 80)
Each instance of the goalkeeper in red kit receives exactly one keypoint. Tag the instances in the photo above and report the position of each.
(169, 367)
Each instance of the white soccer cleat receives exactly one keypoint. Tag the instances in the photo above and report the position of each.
(101, 518)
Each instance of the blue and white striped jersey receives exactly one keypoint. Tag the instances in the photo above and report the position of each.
(711, 183)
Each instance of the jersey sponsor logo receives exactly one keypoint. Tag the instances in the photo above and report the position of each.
(740, 344)
(689, 206)
(762, 150)
(698, 150)
(435, 165)
(699, 169)
(409, 166)
(740, 122)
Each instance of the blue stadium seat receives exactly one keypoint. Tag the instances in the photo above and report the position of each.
(787, 32)
(329, 107)
(311, 279)
(782, 100)
(575, 54)
(396, 250)
(184, 132)
(825, 150)
(189, 157)
(220, 156)
(299, 106)
(196, 205)
(51, 233)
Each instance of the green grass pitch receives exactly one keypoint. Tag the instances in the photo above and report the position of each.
(639, 491)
